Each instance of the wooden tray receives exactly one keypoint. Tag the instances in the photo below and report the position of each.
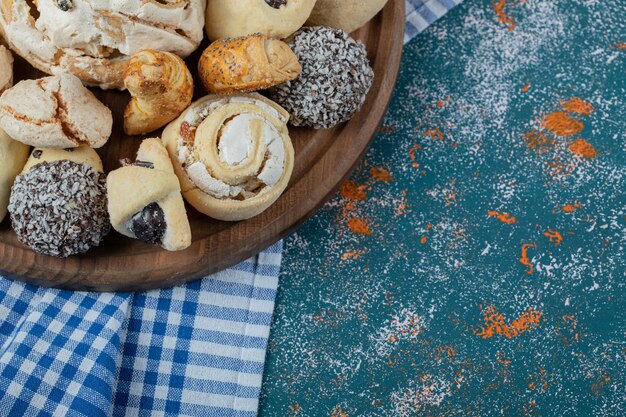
(323, 160)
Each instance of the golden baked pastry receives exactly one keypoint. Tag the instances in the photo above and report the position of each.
(161, 86)
(13, 156)
(55, 112)
(245, 64)
(232, 154)
(348, 15)
(145, 201)
(274, 18)
(94, 39)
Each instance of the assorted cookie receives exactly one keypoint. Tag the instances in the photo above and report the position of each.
(274, 18)
(245, 64)
(232, 154)
(6, 69)
(348, 15)
(336, 77)
(93, 39)
(145, 201)
(228, 154)
(58, 204)
(161, 87)
(55, 112)
(13, 156)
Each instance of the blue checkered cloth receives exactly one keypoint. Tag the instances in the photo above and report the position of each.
(193, 350)
(422, 13)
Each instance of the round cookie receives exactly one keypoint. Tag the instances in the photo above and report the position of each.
(336, 77)
(58, 204)
(348, 15)
(232, 154)
(274, 18)
(55, 112)
(93, 39)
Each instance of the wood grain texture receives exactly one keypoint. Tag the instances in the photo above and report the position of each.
(324, 159)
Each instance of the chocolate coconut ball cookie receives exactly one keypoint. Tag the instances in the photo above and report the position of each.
(336, 77)
(59, 208)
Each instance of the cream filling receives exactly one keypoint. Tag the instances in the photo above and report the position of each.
(200, 176)
(84, 28)
(236, 141)
(234, 149)
(275, 163)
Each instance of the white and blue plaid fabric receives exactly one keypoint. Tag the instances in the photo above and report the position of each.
(422, 13)
(192, 350)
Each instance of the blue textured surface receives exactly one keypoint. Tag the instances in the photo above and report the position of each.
(474, 264)
(194, 350)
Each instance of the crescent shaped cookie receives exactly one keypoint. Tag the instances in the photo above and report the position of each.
(94, 39)
(232, 154)
(274, 18)
(145, 201)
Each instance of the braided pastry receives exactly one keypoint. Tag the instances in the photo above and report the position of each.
(145, 201)
(233, 154)
(93, 39)
(161, 86)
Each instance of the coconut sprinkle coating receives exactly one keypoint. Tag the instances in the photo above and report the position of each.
(336, 77)
(60, 208)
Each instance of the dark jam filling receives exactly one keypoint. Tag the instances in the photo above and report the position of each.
(149, 224)
(276, 3)
(65, 5)
(127, 162)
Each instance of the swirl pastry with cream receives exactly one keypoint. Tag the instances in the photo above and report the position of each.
(233, 155)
